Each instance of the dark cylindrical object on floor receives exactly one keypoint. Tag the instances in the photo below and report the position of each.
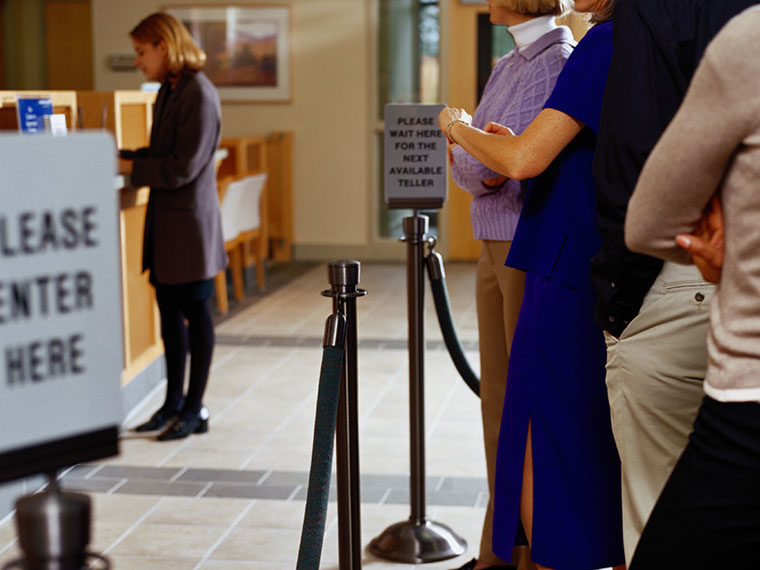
(53, 529)
(418, 539)
(344, 278)
(415, 230)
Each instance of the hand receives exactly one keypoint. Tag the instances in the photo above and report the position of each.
(449, 114)
(706, 243)
(450, 151)
(125, 166)
(497, 129)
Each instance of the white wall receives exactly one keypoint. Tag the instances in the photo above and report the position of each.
(330, 110)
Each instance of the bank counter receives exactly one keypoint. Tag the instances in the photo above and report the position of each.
(128, 115)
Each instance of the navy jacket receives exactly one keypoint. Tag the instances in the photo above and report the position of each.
(657, 47)
(183, 239)
(556, 235)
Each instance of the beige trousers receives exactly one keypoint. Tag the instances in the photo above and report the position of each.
(499, 292)
(655, 372)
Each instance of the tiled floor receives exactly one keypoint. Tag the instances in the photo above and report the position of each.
(234, 498)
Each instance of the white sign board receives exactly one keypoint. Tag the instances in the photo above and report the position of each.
(61, 349)
(415, 157)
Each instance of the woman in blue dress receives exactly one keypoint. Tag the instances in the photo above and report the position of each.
(557, 464)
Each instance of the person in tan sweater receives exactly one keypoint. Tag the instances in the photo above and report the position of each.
(709, 510)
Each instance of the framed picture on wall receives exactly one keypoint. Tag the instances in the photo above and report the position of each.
(247, 49)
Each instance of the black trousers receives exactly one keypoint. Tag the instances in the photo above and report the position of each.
(186, 327)
(708, 515)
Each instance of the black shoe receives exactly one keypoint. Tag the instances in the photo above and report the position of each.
(182, 427)
(157, 421)
(471, 564)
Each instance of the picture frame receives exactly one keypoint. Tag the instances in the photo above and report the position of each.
(247, 49)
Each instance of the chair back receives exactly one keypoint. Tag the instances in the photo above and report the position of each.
(230, 206)
(249, 211)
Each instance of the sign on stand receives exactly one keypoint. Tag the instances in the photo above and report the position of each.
(61, 351)
(415, 157)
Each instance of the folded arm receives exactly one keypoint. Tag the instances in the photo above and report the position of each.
(688, 165)
(514, 156)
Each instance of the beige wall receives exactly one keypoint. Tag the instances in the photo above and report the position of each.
(329, 111)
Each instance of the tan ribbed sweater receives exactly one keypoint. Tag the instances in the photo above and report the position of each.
(713, 144)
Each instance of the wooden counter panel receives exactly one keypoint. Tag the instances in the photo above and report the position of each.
(128, 115)
(142, 334)
(135, 114)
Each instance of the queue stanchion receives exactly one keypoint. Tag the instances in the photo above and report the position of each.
(336, 421)
(54, 531)
(344, 278)
(418, 539)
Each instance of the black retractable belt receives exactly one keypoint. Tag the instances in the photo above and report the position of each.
(437, 277)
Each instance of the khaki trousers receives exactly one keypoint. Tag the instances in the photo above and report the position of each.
(655, 372)
(499, 292)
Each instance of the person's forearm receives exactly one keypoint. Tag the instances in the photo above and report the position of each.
(471, 175)
(499, 153)
(517, 157)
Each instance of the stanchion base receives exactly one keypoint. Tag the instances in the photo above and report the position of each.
(416, 543)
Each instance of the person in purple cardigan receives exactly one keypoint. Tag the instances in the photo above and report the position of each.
(183, 246)
(516, 91)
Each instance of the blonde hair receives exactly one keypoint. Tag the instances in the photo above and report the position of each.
(182, 53)
(536, 7)
(603, 15)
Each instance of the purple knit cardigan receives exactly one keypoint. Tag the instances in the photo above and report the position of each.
(519, 85)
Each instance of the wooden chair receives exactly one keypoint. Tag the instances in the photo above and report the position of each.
(252, 224)
(241, 206)
(229, 200)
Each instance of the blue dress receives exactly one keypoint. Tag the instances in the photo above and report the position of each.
(556, 378)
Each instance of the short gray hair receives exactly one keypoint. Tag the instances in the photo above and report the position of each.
(537, 7)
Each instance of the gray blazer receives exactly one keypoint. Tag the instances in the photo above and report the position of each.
(183, 239)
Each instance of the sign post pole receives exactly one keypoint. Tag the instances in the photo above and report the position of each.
(415, 177)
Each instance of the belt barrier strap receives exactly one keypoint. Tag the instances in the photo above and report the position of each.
(318, 495)
(450, 338)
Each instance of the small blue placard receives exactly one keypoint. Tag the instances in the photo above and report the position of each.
(31, 112)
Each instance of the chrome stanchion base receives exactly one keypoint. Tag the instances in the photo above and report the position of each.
(416, 543)
(90, 561)
(53, 529)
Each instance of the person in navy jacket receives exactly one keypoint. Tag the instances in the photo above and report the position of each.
(183, 246)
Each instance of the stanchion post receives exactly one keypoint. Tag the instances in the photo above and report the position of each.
(415, 230)
(344, 279)
(418, 539)
(54, 531)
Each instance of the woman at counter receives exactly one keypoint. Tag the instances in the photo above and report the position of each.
(183, 247)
